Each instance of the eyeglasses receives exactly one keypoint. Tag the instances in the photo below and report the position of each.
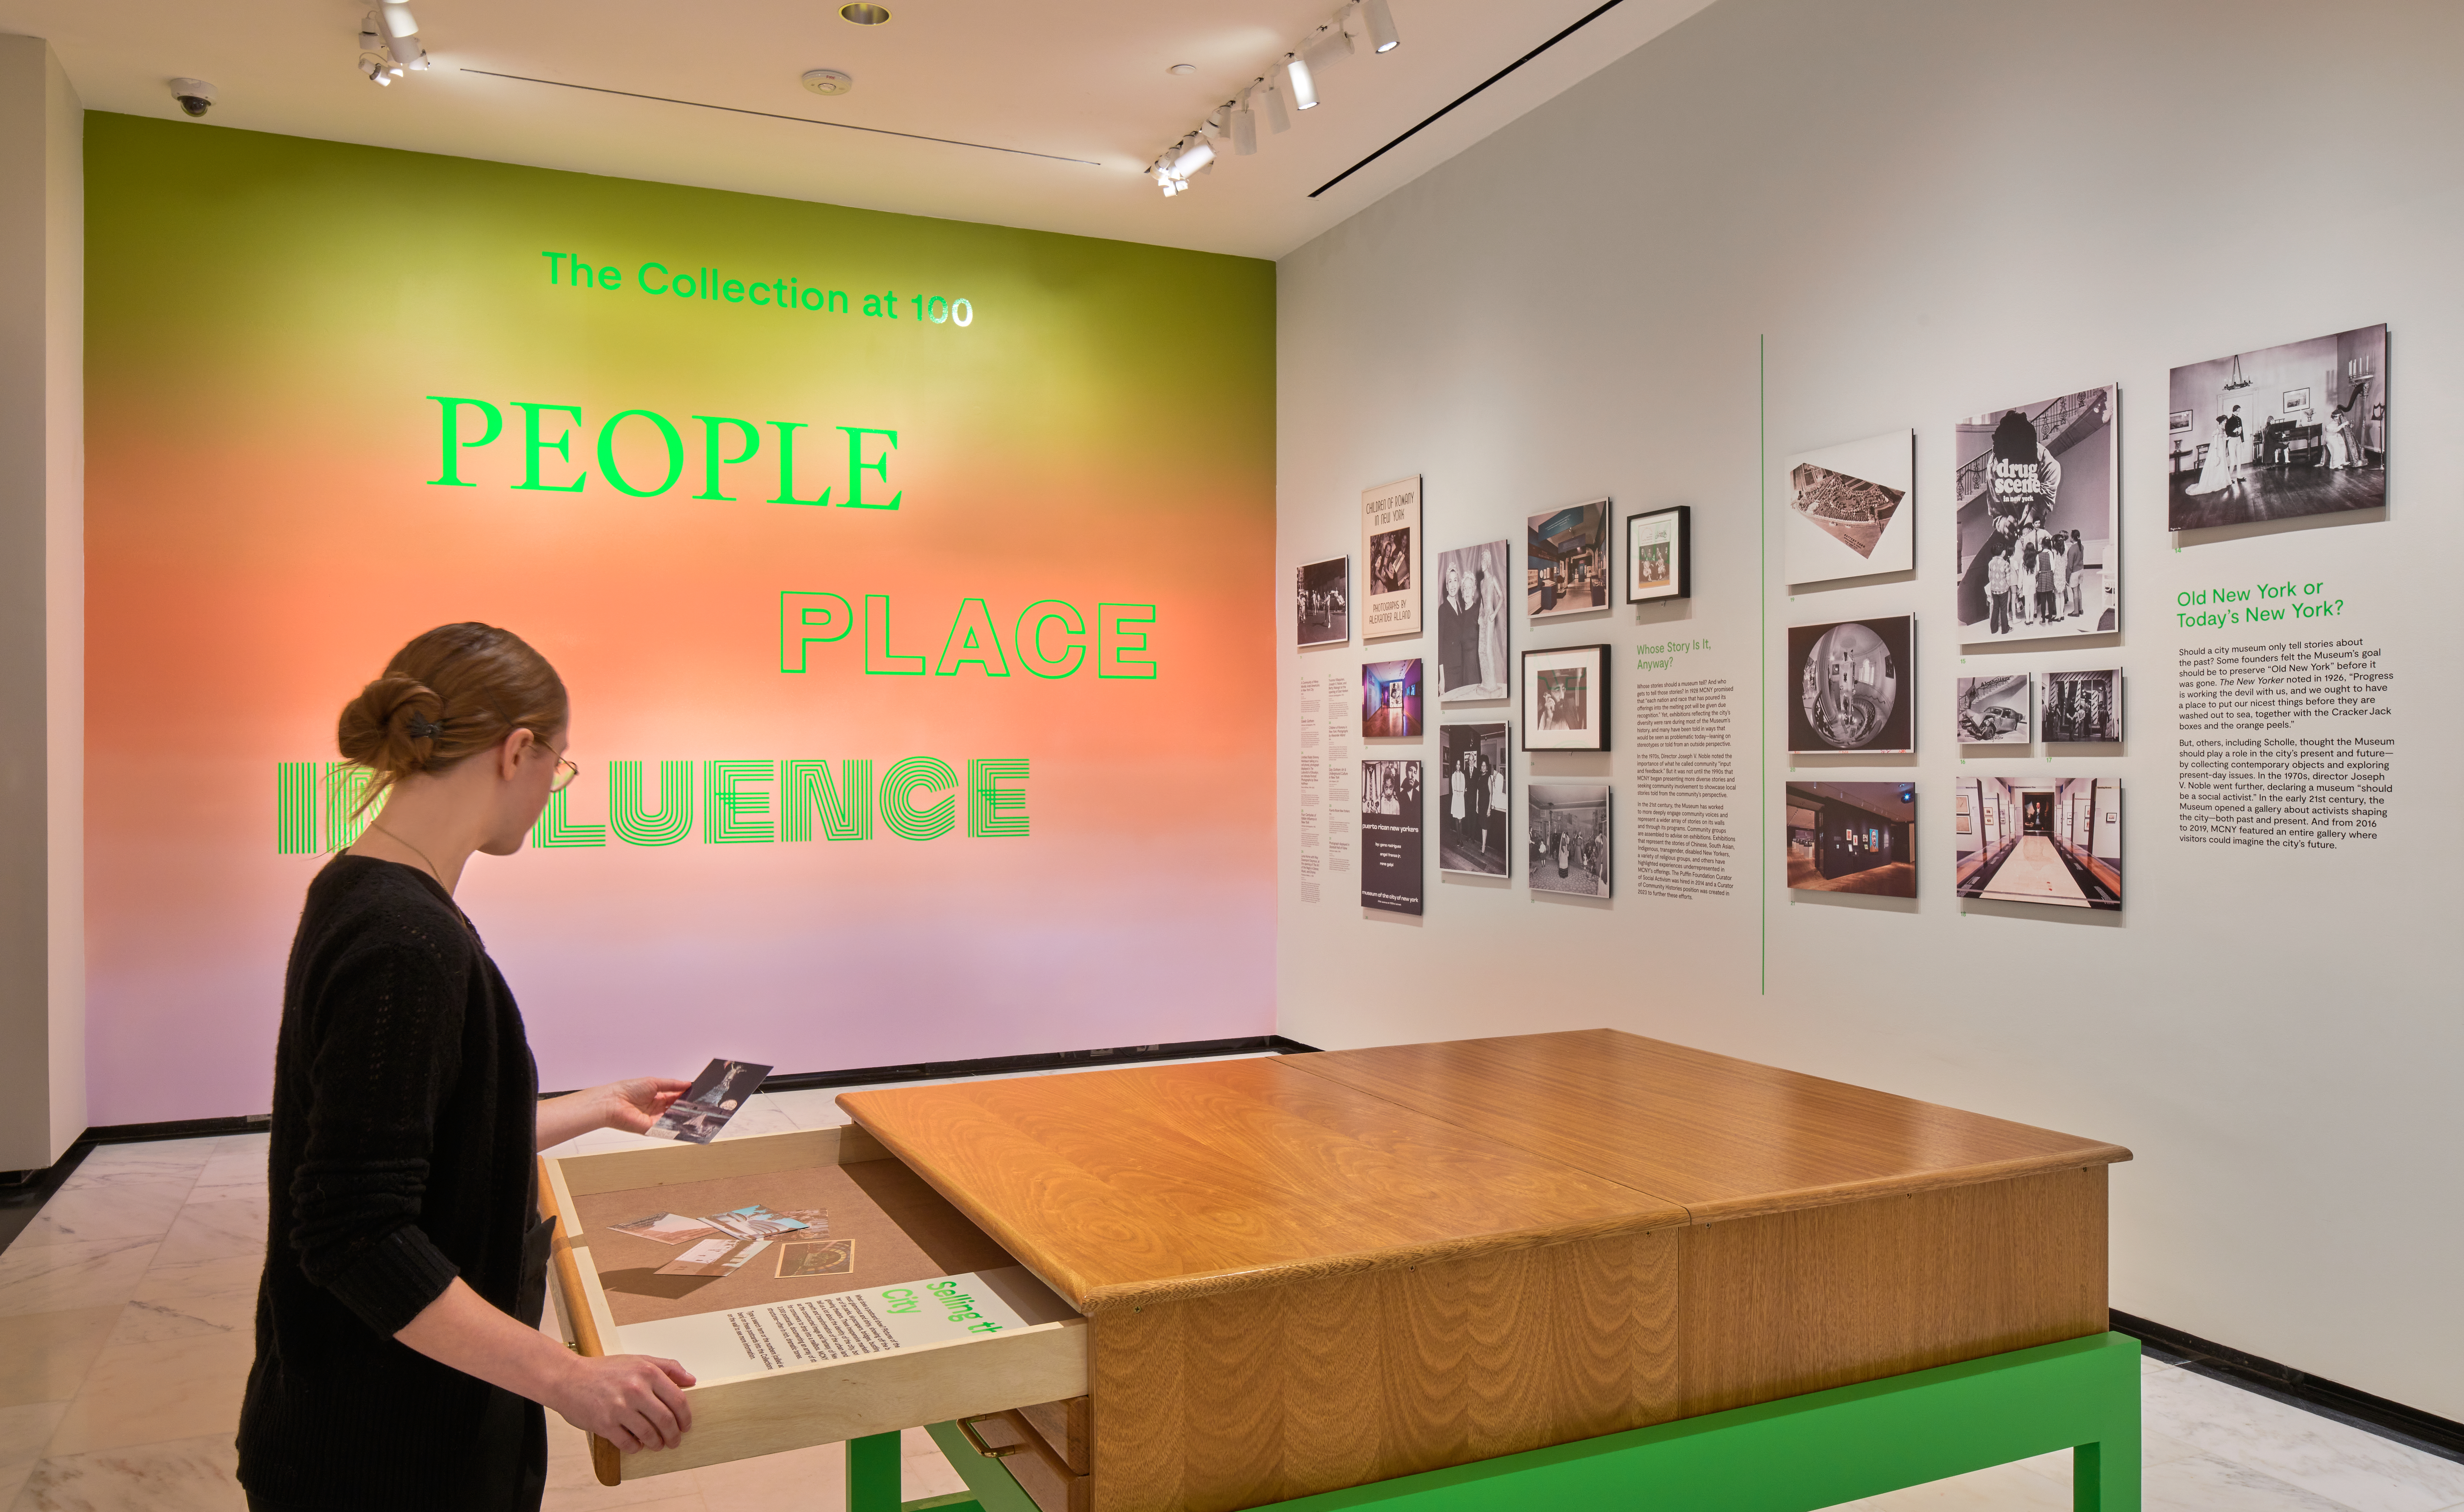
(566, 771)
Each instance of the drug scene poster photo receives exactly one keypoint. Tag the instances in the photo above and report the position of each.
(2039, 520)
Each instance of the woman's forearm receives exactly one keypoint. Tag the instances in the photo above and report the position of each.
(459, 1328)
(574, 1114)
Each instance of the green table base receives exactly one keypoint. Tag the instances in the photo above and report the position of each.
(1791, 1455)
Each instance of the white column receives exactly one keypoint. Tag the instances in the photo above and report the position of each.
(42, 607)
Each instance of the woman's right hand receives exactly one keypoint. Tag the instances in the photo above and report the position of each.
(634, 1401)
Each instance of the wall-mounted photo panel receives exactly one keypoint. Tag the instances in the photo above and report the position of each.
(1659, 555)
(1566, 560)
(2052, 840)
(2281, 433)
(1854, 685)
(1472, 590)
(1389, 558)
(1566, 699)
(1322, 601)
(1851, 837)
(1474, 785)
(1851, 510)
(2039, 520)
(1390, 836)
(1994, 711)
(1568, 826)
(1390, 698)
(2074, 707)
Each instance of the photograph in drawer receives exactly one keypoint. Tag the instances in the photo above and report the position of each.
(896, 1229)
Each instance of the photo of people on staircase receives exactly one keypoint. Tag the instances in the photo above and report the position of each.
(1851, 837)
(2054, 841)
(2039, 554)
(1472, 799)
(1568, 826)
(2280, 433)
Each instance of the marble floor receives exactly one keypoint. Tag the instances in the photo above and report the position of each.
(126, 1313)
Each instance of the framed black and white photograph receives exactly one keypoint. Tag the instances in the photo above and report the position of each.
(1389, 558)
(2054, 841)
(1995, 710)
(2321, 448)
(1472, 586)
(1851, 837)
(1850, 510)
(1322, 601)
(1566, 560)
(1659, 554)
(1390, 836)
(2081, 708)
(1474, 788)
(1566, 699)
(2039, 520)
(1568, 848)
(1390, 699)
(1853, 686)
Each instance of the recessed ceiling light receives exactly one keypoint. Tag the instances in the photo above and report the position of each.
(827, 82)
(864, 14)
(1184, 69)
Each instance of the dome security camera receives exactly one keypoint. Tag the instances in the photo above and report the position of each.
(195, 96)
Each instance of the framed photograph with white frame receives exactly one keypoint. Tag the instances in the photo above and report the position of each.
(1659, 554)
(1566, 698)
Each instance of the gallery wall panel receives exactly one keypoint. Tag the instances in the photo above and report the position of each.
(338, 395)
(1787, 226)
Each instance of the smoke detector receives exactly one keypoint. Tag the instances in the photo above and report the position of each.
(827, 82)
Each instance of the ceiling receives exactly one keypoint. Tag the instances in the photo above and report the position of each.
(1087, 80)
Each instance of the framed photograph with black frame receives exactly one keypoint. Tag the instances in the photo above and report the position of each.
(1566, 698)
(1659, 554)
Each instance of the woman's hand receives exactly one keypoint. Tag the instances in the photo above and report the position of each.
(634, 1401)
(634, 1106)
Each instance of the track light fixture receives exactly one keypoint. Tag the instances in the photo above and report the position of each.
(1290, 84)
(389, 45)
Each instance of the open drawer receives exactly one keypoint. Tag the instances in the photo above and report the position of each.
(899, 1312)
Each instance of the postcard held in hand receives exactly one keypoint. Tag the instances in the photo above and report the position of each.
(712, 1099)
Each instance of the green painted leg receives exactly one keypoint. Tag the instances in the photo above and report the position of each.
(872, 1474)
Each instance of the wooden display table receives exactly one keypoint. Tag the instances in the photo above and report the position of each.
(1275, 1278)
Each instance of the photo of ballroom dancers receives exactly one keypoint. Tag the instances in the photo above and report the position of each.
(1471, 620)
(1390, 836)
(1568, 826)
(2053, 841)
(1321, 605)
(1566, 569)
(2039, 520)
(1847, 511)
(1854, 685)
(1852, 837)
(1993, 711)
(2077, 708)
(1472, 787)
(2281, 433)
(1390, 698)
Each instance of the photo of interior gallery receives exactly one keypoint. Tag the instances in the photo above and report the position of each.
(779, 755)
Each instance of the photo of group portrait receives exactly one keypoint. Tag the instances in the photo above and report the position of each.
(1568, 826)
(2039, 520)
(1474, 791)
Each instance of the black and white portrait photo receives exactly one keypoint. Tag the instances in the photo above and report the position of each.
(1994, 711)
(1565, 698)
(1471, 620)
(1566, 565)
(1389, 558)
(1390, 836)
(1321, 601)
(1568, 823)
(2081, 708)
(2039, 520)
(1852, 686)
(2281, 433)
(1473, 788)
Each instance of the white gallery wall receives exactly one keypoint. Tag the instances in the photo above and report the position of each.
(1790, 224)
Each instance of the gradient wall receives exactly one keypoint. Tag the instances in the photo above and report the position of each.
(1056, 844)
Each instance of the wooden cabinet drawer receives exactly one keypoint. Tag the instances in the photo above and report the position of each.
(921, 1319)
(1046, 1448)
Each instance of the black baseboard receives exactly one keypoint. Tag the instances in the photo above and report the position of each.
(2411, 1426)
(23, 1192)
(176, 1129)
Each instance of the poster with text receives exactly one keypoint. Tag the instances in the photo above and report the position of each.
(1389, 553)
(2039, 520)
(1391, 871)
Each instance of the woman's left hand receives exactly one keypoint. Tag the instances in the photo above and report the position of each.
(633, 1106)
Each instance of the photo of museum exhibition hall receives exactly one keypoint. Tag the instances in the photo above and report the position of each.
(1344, 755)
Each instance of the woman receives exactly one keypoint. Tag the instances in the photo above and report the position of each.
(1459, 781)
(399, 1362)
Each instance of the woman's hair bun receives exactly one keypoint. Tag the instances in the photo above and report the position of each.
(456, 690)
(392, 727)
